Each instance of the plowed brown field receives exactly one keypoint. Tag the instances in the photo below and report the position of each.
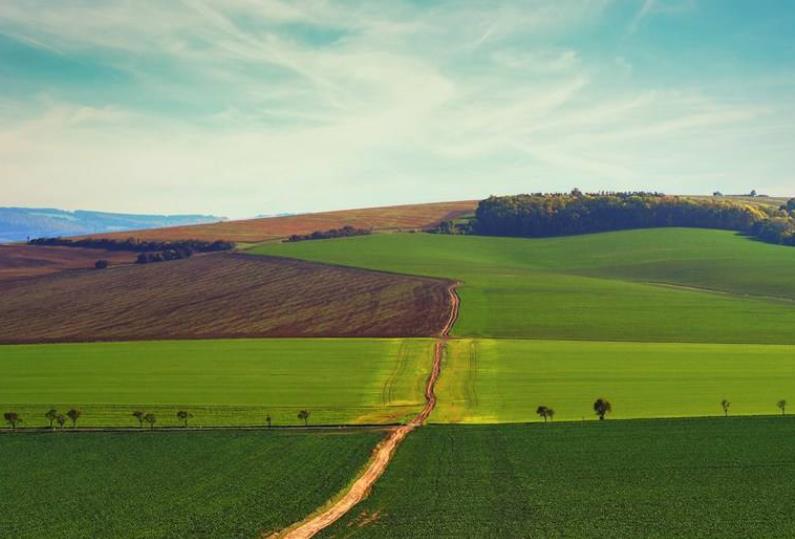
(219, 296)
(21, 261)
(408, 217)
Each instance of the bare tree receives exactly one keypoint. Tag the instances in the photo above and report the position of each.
(13, 419)
(782, 405)
(74, 414)
(725, 405)
(151, 419)
(602, 407)
(51, 414)
(139, 415)
(183, 416)
(304, 415)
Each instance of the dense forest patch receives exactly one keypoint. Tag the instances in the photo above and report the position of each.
(545, 215)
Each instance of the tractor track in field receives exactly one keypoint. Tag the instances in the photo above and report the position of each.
(383, 452)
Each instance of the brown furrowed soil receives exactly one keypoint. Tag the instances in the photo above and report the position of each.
(22, 261)
(408, 217)
(222, 295)
(385, 450)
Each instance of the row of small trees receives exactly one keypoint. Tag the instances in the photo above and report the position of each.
(602, 407)
(55, 417)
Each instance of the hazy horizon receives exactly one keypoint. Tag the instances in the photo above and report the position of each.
(246, 107)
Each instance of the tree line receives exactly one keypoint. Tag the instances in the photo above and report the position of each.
(137, 245)
(343, 232)
(602, 407)
(53, 416)
(563, 214)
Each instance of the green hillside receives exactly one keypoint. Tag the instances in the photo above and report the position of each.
(221, 382)
(657, 478)
(655, 285)
(165, 485)
(495, 381)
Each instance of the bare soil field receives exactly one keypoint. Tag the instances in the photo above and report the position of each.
(22, 261)
(221, 296)
(408, 217)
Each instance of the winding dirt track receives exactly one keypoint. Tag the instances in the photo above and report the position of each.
(383, 452)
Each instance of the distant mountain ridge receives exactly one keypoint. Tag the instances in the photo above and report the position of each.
(19, 224)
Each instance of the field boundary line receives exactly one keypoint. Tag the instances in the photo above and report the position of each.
(383, 452)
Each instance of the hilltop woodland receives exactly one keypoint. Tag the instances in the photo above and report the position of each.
(544, 215)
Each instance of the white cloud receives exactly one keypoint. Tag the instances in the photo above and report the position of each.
(403, 103)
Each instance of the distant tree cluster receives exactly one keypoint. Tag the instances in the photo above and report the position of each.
(138, 246)
(343, 232)
(562, 214)
(164, 256)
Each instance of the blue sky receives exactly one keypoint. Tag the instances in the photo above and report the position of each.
(246, 107)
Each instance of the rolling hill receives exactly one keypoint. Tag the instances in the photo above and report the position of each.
(650, 285)
(20, 224)
(388, 218)
(220, 296)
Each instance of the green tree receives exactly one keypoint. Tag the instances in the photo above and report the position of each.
(13, 419)
(61, 420)
(550, 413)
(304, 415)
(725, 405)
(543, 411)
(74, 414)
(151, 419)
(51, 414)
(602, 407)
(184, 416)
(782, 405)
(139, 415)
(268, 420)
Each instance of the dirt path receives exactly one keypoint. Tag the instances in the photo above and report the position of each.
(383, 452)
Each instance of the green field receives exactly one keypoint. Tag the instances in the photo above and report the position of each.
(221, 382)
(209, 484)
(646, 478)
(656, 285)
(495, 381)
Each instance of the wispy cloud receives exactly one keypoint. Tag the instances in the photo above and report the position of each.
(252, 106)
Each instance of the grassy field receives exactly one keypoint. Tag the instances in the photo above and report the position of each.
(658, 285)
(207, 484)
(495, 381)
(221, 382)
(221, 296)
(646, 478)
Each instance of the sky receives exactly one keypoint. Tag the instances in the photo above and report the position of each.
(247, 107)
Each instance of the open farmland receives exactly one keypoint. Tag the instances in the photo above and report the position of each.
(208, 484)
(217, 296)
(646, 478)
(496, 381)
(655, 285)
(406, 217)
(235, 382)
(22, 261)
